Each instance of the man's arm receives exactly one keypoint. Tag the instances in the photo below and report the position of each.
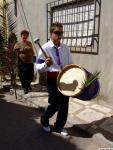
(43, 63)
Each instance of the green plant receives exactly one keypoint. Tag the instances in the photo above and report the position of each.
(92, 77)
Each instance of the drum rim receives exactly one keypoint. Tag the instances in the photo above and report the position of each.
(64, 70)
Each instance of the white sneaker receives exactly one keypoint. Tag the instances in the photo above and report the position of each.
(64, 132)
(47, 129)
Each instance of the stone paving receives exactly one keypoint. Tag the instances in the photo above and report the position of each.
(88, 115)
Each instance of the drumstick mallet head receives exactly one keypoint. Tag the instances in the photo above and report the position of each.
(36, 41)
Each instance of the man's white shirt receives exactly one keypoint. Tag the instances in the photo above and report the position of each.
(49, 48)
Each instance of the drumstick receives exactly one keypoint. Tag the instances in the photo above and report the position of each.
(36, 41)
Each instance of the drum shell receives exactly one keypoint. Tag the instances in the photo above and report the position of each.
(90, 92)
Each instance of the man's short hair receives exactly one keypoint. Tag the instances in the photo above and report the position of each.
(54, 25)
(24, 32)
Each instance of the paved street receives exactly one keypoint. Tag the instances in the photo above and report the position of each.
(20, 127)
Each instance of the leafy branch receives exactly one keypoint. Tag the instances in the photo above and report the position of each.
(91, 78)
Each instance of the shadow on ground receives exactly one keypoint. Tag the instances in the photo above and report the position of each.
(78, 132)
(35, 88)
(94, 128)
(1, 96)
(39, 88)
(20, 130)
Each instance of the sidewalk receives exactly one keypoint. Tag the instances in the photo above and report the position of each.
(87, 115)
(89, 124)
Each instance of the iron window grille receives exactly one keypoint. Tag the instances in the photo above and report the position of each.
(81, 21)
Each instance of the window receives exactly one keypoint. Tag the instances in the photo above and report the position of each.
(80, 19)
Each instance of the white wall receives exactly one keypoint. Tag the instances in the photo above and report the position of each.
(35, 12)
(36, 15)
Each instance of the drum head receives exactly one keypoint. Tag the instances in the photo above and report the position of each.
(71, 79)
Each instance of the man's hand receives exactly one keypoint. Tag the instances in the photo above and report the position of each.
(48, 61)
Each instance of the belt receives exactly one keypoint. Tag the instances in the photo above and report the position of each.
(52, 74)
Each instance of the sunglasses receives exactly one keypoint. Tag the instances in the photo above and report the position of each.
(59, 33)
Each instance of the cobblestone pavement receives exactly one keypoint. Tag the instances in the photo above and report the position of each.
(89, 124)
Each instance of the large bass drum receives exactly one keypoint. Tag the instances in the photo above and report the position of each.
(71, 79)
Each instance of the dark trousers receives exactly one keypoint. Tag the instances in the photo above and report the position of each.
(26, 74)
(57, 103)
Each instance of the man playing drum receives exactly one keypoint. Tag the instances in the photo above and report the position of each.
(59, 56)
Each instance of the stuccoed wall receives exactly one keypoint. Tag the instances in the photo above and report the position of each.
(37, 19)
(105, 60)
(35, 12)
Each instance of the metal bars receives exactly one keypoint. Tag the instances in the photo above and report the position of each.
(80, 19)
